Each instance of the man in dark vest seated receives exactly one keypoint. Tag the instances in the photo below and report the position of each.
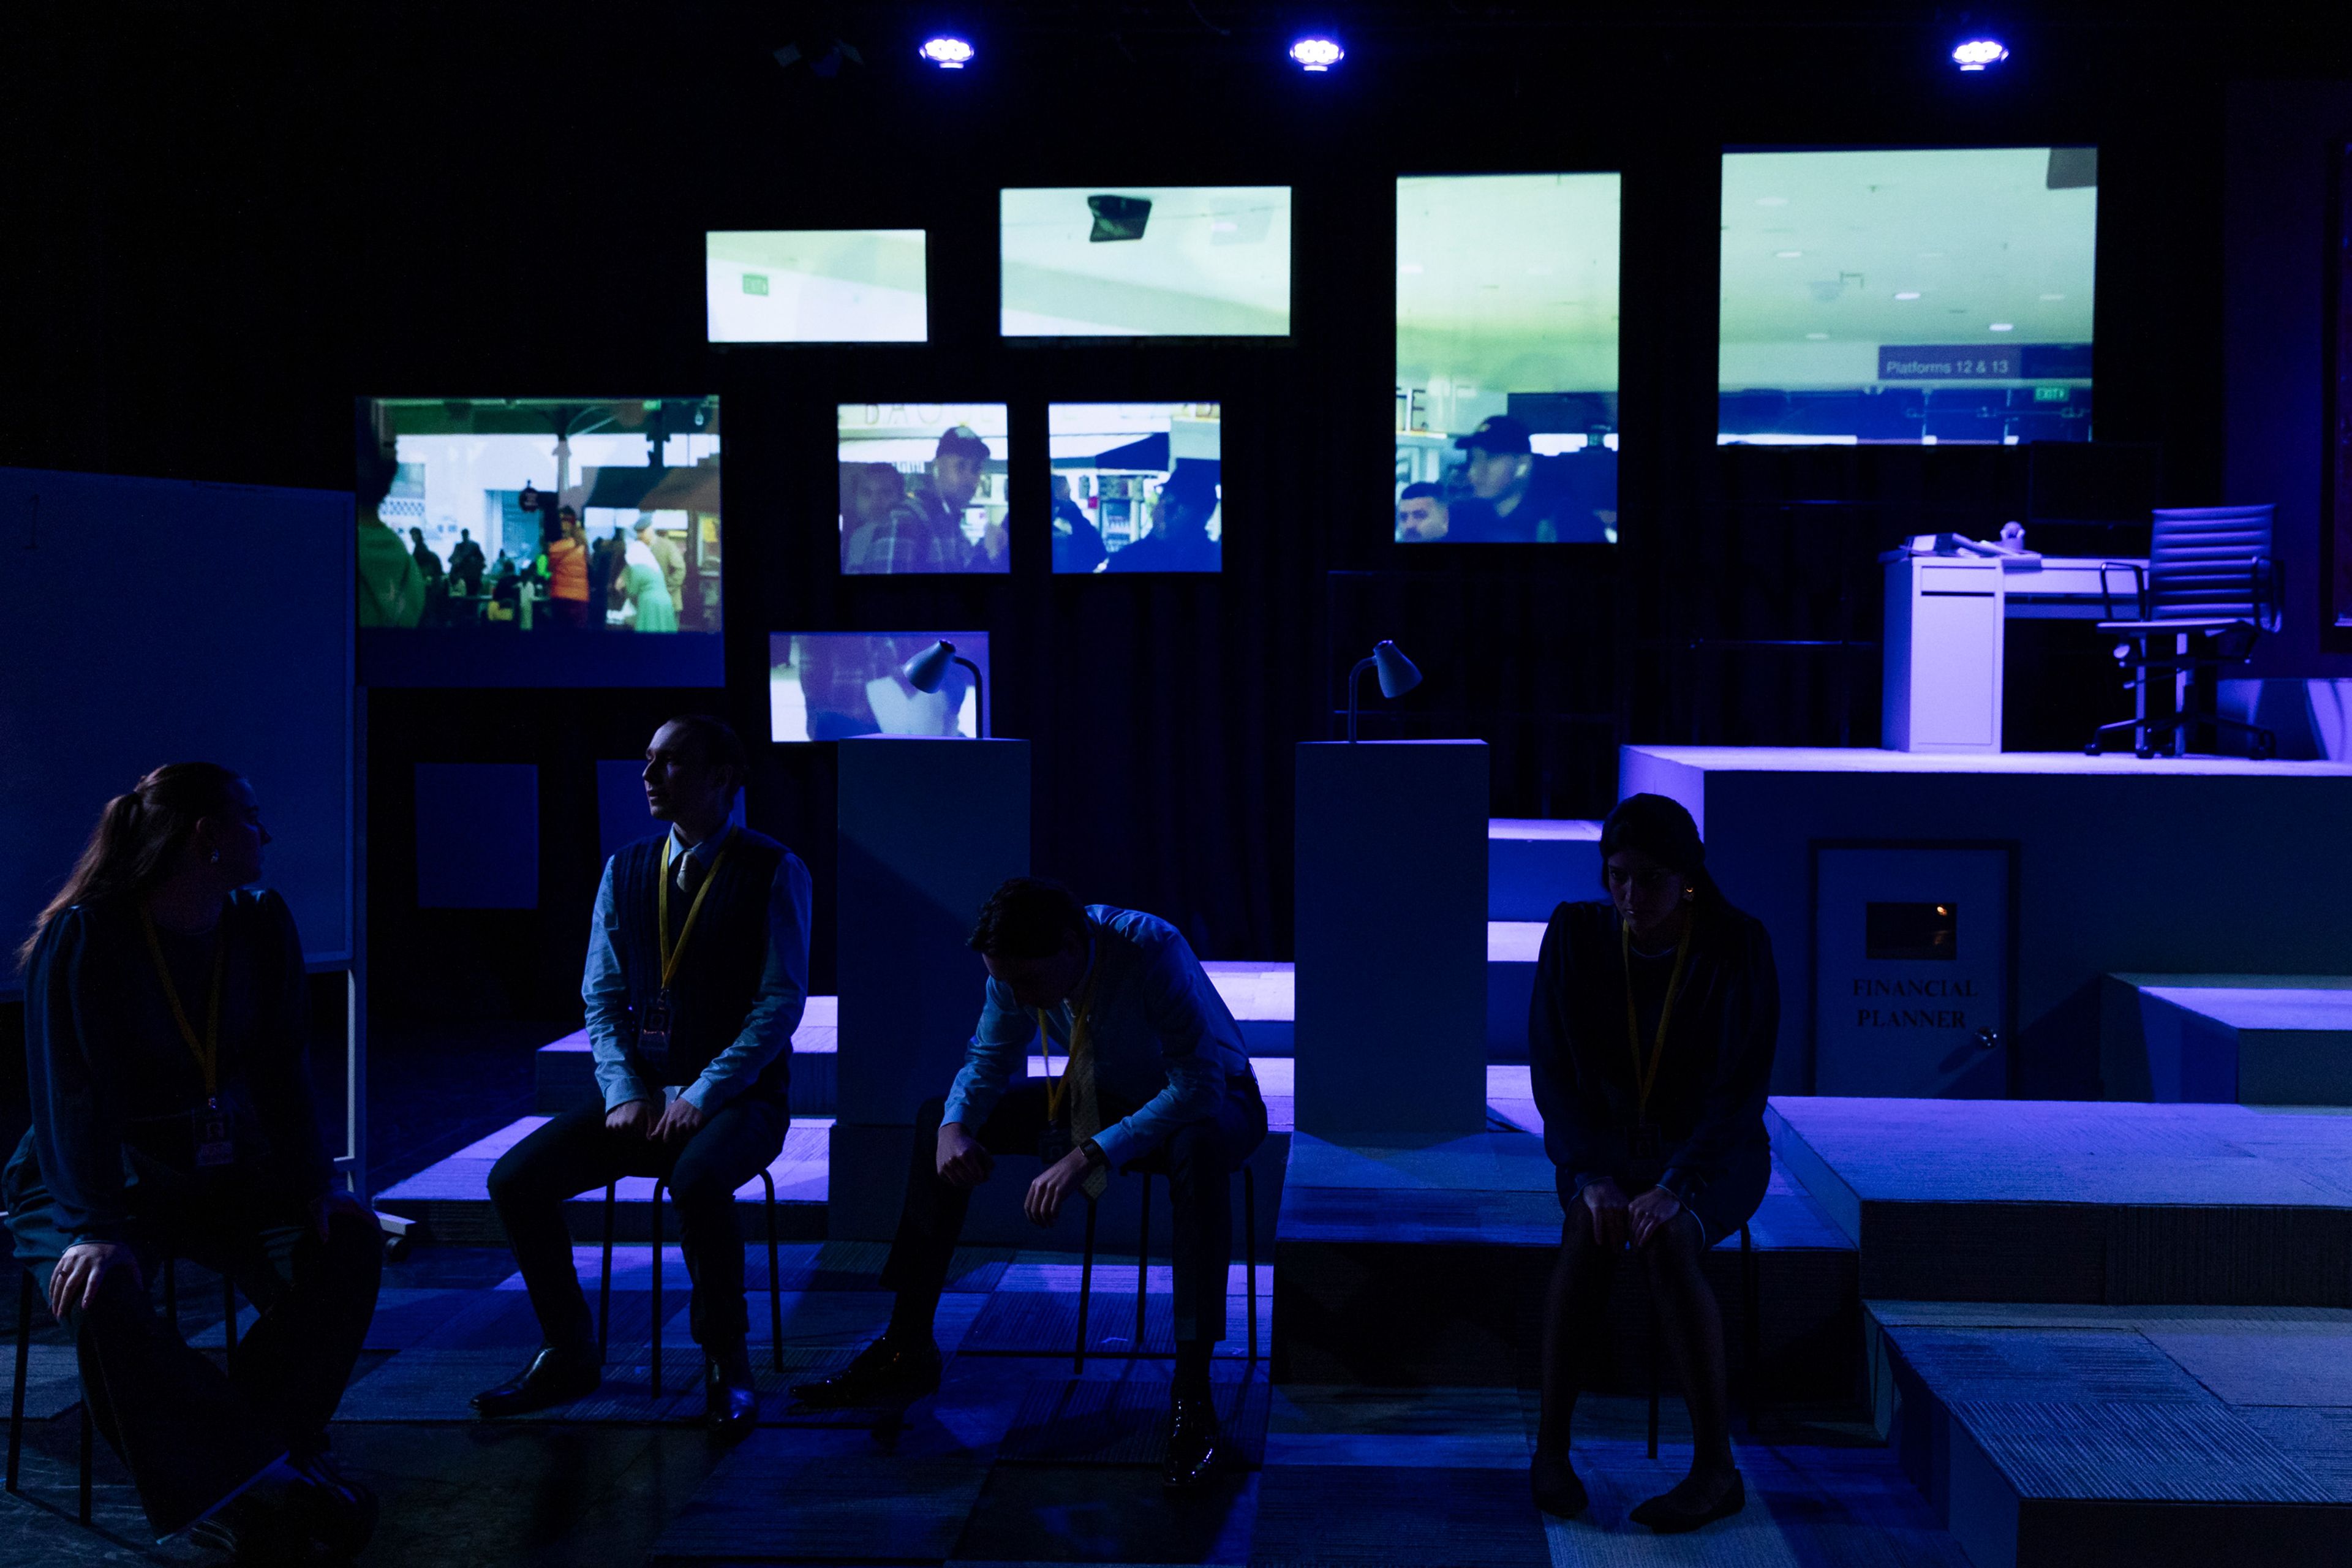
(1154, 1073)
(697, 970)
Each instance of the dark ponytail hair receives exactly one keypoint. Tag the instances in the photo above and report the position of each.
(1662, 828)
(137, 834)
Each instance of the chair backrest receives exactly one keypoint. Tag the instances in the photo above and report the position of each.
(2210, 561)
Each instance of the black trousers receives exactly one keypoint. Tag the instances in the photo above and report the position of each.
(190, 1435)
(576, 1151)
(1198, 1159)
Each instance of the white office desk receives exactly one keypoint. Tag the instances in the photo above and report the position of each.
(1943, 640)
(2077, 588)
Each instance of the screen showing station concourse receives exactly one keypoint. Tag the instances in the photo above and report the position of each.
(547, 516)
(1907, 295)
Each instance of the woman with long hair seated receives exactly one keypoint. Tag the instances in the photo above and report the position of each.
(1651, 1040)
(172, 1117)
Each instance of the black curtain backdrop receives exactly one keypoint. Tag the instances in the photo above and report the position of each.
(223, 223)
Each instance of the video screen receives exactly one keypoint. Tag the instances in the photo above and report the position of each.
(545, 516)
(923, 487)
(815, 286)
(1507, 359)
(1138, 487)
(1147, 261)
(1909, 295)
(830, 686)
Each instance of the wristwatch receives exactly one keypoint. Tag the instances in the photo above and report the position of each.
(1093, 1151)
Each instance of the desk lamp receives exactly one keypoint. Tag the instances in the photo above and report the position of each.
(929, 669)
(1397, 673)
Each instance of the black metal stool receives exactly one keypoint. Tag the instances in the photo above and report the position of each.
(25, 1296)
(604, 1279)
(1751, 1336)
(1147, 1166)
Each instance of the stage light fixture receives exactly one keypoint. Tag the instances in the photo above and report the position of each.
(1316, 52)
(1977, 54)
(1397, 677)
(947, 52)
(927, 671)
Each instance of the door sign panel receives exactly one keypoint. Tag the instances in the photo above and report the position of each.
(1911, 972)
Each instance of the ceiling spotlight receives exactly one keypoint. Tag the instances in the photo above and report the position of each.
(1976, 54)
(947, 52)
(1316, 52)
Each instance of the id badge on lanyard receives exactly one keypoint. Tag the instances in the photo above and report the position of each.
(652, 1031)
(215, 1143)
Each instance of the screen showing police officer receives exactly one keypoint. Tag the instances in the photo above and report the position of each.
(1507, 359)
(924, 488)
(1138, 487)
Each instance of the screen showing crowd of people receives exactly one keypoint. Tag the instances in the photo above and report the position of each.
(172, 1116)
(541, 514)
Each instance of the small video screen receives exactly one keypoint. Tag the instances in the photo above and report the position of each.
(546, 516)
(1146, 261)
(1138, 487)
(815, 286)
(831, 686)
(1907, 295)
(923, 487)
(1507, 359)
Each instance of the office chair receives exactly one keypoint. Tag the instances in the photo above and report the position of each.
(2211, 576)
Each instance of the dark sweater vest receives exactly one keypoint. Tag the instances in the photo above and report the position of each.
(719, 974)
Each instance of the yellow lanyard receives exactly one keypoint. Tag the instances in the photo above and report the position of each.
(1062, 1087)
(1644, 1078)
(205, 1050)
(671, 953)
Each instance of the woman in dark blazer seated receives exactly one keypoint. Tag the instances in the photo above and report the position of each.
(1650, 1038)
(172, 1115)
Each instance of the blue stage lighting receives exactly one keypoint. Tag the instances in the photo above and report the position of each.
(1976, 54)
(947, 52)
(1316, 52)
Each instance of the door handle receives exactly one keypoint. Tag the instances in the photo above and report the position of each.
(1988, 1038)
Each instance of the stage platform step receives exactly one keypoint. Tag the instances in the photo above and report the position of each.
(2066, 1201)
(1535, 863)
(450, 1200)
(2135, 1437)
(1426, 1266)
(2255, 1040)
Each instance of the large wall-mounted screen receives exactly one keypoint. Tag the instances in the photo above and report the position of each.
(1146, 261)
(830, 686)
(923, 487)
(1907, 295)
(547, 516)
(815, 286)
(1507, 359)
(1138, 487)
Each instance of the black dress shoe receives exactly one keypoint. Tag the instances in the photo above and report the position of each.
(339, 1512)
(730, 1399)
(267, 1525)
(1684, 1508)
(884, 1372)
(1195, 1447)
(555, 1377)
(1557, 1489)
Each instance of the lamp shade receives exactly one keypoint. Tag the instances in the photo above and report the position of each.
(1397, 673)
(928, 668)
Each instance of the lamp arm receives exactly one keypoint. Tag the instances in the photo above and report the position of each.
(978, 698)
(1355, 676)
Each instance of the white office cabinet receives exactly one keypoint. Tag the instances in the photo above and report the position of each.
(1942, 655)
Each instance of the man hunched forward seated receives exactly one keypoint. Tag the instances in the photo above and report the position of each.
(1155, 1072)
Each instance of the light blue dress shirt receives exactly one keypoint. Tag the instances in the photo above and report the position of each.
(767, 1028)
(1162, 1037)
